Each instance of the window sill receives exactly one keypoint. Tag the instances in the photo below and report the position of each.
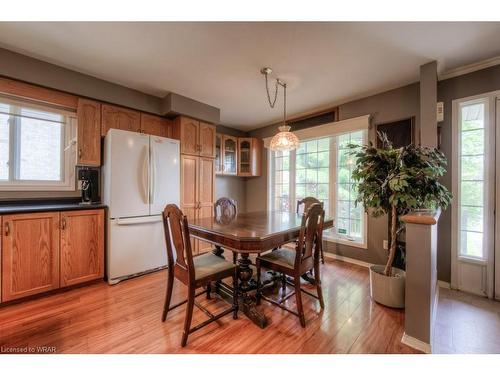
(342, 241)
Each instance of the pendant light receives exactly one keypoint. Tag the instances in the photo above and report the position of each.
(284, 140)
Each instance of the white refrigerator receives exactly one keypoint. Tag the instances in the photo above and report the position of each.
(141, 175)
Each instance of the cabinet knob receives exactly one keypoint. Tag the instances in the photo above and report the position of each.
(7, 228)
(63, 224)
(79, 153)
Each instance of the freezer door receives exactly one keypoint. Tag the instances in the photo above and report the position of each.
(164, 172)
(126, 173)
(135, 245)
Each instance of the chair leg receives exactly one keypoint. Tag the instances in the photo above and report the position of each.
(168, 296)
(257, 293)
(189, 315)
(235, 257)
(235, 294)
(298, 298)
(322, 255)
(317, 280)
(283, 282)
(209, 289)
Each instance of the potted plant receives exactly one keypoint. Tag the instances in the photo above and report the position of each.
(393, 181)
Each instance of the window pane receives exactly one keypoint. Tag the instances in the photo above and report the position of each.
(471, 244)
(473, 142)
(472, 218)
(40, 150)
(471, 193)
(473, 116)
(472, 167)
(324, 144)
(4, 146)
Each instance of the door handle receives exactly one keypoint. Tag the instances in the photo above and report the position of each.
(145, 175)
(153, 176)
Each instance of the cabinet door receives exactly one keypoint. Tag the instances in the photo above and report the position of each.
(82, 246)
(218, 153)
(155, 125)
(206, 195)
(207, 140)
(244, 156)
(189, 191)
(189, 132)
(89, 132)
(30, 261)
(119, 118)
(230, 158)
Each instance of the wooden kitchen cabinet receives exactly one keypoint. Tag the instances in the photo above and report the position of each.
(156, 125)
(229, 155)
(197, 192)
(82, 246)
(89, 133)
(249, 157)
(30, 254)
(197, 138)
(119, 118)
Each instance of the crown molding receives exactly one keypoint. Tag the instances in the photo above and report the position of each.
(469, 68)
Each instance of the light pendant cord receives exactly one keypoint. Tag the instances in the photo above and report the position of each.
(272, 102)
(284, 104)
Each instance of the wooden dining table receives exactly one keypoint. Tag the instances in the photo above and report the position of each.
(246, 234)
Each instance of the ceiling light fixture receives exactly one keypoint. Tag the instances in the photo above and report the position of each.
(285, 140)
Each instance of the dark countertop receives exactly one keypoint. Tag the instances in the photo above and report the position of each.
(44, 206)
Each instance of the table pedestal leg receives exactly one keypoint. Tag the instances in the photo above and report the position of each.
(247, 302)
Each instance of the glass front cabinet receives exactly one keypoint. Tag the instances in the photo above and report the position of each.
(236, 156)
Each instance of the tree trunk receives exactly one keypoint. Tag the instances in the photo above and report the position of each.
(392, 249)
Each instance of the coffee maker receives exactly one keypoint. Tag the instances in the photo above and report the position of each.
(90, 185)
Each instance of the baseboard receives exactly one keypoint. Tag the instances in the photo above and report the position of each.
(416, 344)
(444, 284)
(347, 259)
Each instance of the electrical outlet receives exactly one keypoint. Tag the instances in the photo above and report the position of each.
(385, 245)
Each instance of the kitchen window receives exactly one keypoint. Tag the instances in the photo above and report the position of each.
(321, 168)
(36, 147)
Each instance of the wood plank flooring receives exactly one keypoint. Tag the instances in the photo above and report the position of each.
(125, 318)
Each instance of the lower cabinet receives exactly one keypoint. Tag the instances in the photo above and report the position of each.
(82, 246)
(30, 254)
(48, 250)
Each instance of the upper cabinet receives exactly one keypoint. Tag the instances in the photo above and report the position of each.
(119, 118)
(156, 125)
(197, 138)
(236, 156)
(249, 157)
(89, 132)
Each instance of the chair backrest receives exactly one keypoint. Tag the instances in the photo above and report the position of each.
(306, 203)
(225, 208)
(310, 232)
(177, 239)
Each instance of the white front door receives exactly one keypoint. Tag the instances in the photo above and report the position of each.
(473, 173)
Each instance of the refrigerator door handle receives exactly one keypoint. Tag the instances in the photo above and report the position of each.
(145, 175)
(138, 220)
(153, 175)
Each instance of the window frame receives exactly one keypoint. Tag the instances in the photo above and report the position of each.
(68, 151)
(333, 203)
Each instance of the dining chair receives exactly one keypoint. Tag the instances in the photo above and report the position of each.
(296, 262)
(225, 210)
(194, 272)
(302, 206)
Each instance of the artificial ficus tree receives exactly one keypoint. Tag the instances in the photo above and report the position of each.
(394, 181)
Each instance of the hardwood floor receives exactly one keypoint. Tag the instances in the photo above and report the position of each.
(126, 318)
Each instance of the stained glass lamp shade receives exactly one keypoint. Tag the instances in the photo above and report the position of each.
(285, 140)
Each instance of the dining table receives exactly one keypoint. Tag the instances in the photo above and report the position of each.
(245, 234)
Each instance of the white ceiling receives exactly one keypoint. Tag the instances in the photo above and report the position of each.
(218, 63)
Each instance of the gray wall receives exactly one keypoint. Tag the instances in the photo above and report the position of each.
(389, 106)
(475, 83)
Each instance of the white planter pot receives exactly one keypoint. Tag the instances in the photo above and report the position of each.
(388, 290)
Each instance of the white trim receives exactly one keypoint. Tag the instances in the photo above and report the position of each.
(416, 343)
(361, 245)
(330, 129)
(444, 284)
(469, 68)
(347, 259)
